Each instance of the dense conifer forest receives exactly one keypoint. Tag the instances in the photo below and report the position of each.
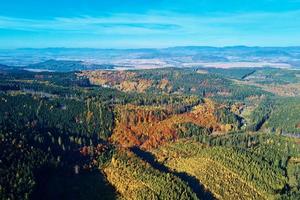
(195, 133)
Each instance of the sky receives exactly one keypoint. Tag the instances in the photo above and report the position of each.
(148, 23)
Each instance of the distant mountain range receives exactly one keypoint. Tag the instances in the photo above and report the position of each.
(59, 66)
(66, 65)
(187, 56)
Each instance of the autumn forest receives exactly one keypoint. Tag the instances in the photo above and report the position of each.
(170, 133)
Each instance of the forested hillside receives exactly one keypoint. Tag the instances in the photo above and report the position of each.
(170, 133)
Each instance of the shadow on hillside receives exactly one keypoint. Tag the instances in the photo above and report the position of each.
(192, 182)
(87, 185)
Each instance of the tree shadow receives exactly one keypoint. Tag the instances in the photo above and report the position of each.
(192, 182)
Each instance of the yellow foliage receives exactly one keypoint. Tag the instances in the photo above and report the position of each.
(223, 183)
(89, 116)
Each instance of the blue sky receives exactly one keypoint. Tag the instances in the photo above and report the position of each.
(148, 23)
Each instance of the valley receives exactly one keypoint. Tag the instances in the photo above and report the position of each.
(169, 133)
